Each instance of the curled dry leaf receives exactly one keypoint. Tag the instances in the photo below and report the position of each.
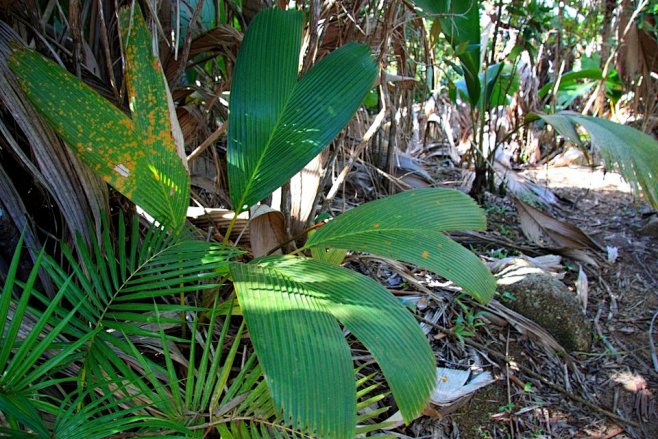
(267, 230)
(557, 236)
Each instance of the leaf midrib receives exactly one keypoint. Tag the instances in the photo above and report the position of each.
(98, 326)
(252, 177)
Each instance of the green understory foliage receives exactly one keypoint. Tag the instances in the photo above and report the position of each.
(144, 332)
(488, 87)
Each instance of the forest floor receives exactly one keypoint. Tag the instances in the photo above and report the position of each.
(607, 391)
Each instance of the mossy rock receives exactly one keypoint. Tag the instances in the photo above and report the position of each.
(545, 300)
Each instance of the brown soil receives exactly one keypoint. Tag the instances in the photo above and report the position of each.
(607, 392)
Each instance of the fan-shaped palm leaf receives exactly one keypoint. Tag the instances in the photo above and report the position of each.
(290, 304)
(277, 124)
(138, 155)
(301, 349)
(408, 226)
(634, 153)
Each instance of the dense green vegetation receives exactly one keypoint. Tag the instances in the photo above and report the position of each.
(124, 317)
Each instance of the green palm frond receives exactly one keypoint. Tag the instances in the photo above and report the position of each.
(301, 348)
(375, 317)
(126, 289)
(190, 400)
(278, 124)
(86, 415)
(366, 400)
(369, 405)
(22, 416)
(409, 227)
(291, 305)
(30, 356)
(631, 151)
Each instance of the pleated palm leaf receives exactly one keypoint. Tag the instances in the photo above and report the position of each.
(293, 305)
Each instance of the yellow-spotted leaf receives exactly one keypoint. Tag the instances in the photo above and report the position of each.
(135, 154)
(409, 227)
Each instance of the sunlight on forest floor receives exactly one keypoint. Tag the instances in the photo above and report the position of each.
(581, 177)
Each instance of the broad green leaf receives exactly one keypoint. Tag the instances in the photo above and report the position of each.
(137, 155)
(575, 84)
(408, 226)
(276, 123)
(305, 359)
(375, 317)
(499, 82)
(460, 23)
(634, 153)
(334, 256)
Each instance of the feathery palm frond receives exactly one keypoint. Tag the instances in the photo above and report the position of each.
(117, 286)
(85, 414)
(30, 357)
